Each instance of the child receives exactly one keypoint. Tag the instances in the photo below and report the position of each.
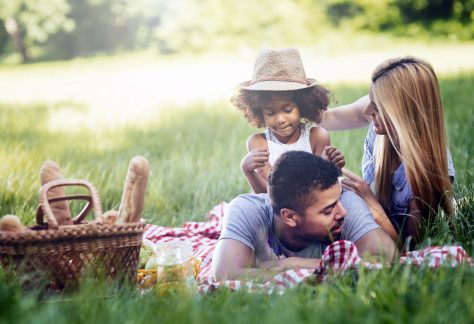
(282, 99)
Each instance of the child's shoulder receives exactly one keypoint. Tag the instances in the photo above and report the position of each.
(318, 134)
(257, 140)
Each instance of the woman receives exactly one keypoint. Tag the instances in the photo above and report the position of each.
(406, 161)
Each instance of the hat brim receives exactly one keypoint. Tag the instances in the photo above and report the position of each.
(277, 85)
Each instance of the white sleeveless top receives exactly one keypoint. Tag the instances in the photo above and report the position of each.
(277, 148)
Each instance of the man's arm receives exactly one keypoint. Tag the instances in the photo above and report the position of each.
(235, 260)
(376, 245)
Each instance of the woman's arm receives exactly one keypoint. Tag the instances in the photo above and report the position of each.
(347, 116)
(414, 221)
(355, 183)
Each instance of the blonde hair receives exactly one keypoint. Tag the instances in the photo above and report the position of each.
(406, 92)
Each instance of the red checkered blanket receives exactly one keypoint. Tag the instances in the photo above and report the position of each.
(337, 257)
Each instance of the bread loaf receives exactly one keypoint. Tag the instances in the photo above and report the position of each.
(50, 171)
(133, 196)
(11, 223)
(110, 217)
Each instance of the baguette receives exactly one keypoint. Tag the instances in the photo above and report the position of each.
(109, 217)
(11, 223)
(50, 171)
(133, 196)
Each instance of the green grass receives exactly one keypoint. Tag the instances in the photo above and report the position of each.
(195, 153)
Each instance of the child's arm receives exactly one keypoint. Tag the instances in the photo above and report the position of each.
(255, 164)
(347, 116)
(320, 143)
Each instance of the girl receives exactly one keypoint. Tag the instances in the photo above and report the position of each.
(282, 99)
(406, 160)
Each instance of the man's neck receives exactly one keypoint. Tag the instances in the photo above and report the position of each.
(287, 236)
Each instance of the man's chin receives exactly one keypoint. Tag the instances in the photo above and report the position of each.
(331, 238)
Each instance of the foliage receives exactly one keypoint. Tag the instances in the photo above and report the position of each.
(194, 153)
(452, 18)
(30, 22)
(199, 25)
(398, 295)
(67, 28)
(101, 26)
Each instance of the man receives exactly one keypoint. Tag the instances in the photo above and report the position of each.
(290, 227)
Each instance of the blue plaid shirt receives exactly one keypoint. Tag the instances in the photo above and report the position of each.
(401, 190)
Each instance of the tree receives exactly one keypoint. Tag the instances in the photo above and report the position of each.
(30, 22)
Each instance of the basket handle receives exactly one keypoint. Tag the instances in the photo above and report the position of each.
(79, 218)
(45, 206)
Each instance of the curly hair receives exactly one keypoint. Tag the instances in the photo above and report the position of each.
(295, 175)
(310, 102)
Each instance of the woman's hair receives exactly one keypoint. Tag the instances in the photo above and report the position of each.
(310, 101)
(406, 92)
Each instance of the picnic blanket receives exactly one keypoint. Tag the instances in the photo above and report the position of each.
(337, 257)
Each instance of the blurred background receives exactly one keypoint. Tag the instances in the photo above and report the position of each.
(110, 55)
(91, 83)
(65, 29)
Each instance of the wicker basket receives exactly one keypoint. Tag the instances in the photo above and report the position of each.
(58, 257)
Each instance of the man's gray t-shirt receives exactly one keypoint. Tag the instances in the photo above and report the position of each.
(249, 220)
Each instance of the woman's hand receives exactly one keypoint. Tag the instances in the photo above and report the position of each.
(255, 159)
(356, 184)
(332, 154)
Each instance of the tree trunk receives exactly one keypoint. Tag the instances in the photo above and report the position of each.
(13, 29)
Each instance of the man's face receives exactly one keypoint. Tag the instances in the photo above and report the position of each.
(323, 219)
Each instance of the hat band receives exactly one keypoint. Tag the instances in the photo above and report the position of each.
(306, 82)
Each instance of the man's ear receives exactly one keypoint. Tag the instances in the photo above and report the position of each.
(290, 217)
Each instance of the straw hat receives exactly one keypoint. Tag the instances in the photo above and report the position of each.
(278, 70)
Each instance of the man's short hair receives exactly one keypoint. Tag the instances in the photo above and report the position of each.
(295, 175)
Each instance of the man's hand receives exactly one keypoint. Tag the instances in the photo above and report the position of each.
(284, 264)
(332, 154)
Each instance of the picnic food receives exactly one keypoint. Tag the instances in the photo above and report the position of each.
(50, 171)
(172, 268)
(133, 196)
(146, 278)
(146, 253)
(109, 217)
(173, 263)
(11, 223)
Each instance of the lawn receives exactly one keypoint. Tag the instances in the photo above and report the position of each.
(195, 151)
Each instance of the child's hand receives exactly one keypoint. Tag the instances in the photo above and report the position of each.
(332, 154)
(255, 159)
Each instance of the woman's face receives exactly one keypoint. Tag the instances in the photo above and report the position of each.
(373, 112)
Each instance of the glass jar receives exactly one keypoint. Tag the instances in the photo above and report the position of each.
(174, 271)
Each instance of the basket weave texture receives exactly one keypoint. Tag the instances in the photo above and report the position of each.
(59, 256)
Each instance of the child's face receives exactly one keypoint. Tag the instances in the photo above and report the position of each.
(282, 117)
